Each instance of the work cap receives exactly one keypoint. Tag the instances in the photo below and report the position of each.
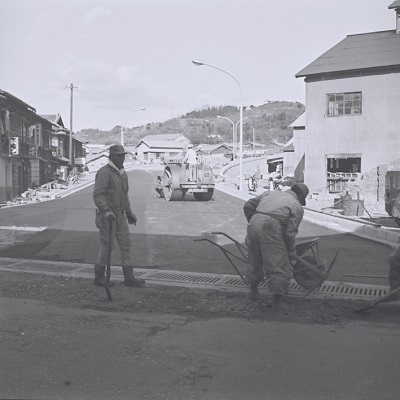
(302, 192)
(116, 149)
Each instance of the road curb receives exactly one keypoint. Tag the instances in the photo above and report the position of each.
(79, 187)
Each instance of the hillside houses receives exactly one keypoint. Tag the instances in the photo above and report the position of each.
(154, 147)
(351, 130)
(214, 149)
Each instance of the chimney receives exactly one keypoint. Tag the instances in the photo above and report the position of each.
(396, 6)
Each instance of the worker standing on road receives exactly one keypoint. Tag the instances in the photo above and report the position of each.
(114, 212)
(191, 159)
(273, 219)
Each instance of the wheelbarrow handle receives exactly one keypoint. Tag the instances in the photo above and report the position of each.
(238, 244)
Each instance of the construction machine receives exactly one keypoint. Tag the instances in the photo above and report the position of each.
(178, 179)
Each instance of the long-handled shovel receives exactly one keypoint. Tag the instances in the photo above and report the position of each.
(109, 250)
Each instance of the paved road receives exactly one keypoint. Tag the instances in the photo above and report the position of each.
(69, 353)
(163, 237)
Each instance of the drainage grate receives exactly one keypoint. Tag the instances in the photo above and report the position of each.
(171, 276)
(236, 282)
(177, 278)
(333, 289)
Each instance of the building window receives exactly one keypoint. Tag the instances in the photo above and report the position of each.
(342, 169)
(344, 104)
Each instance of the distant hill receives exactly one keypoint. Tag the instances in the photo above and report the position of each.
(267, 122)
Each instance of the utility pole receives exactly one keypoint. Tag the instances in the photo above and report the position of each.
(254, 141)
(71, 149)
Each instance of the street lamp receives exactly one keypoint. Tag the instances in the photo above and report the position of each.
(233, 131)
(243, 119)
(200, 63)
(233, 135)
(123, 120)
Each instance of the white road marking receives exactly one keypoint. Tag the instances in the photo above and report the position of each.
(25, 228)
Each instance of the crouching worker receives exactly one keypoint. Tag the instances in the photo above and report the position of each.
(110, 195)
(394, 258)
(273, 219)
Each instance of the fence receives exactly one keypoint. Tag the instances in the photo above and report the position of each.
(337, 181)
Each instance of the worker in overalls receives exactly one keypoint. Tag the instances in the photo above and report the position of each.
(273, 219)
(113, 211)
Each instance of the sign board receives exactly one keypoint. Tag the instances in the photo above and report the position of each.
(14, 146)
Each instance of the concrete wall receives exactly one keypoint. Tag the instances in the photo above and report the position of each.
(293, 162)
(375, 134)
(289, 163)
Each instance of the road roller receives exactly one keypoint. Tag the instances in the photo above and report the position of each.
(178, 180)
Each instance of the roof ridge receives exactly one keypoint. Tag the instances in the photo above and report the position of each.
(371, 33)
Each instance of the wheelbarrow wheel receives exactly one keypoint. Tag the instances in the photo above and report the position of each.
(305, 277)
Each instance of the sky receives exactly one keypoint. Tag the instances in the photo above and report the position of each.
(125, 55)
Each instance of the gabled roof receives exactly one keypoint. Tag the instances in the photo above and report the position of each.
(167, 144)
(300, 122)
(166, 136)
(275, 143)
(50, 117)
(395, 4)
(212, 147)
(289, 146)
(5, 94)
(356, 52)
(54, 118)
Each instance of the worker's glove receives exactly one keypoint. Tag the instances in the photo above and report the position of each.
(109, 216)
(131, 218)
(292, 256)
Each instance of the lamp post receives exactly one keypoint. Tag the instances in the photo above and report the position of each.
(200, 63)
(233, 135)
(243, 119)
(233, 131)
(122, 125)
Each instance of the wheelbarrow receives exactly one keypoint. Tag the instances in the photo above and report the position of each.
(308, 270)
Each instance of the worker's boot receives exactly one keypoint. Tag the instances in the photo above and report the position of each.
(100, 277)
(277, 302)
(129, 278)
(254, 294)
